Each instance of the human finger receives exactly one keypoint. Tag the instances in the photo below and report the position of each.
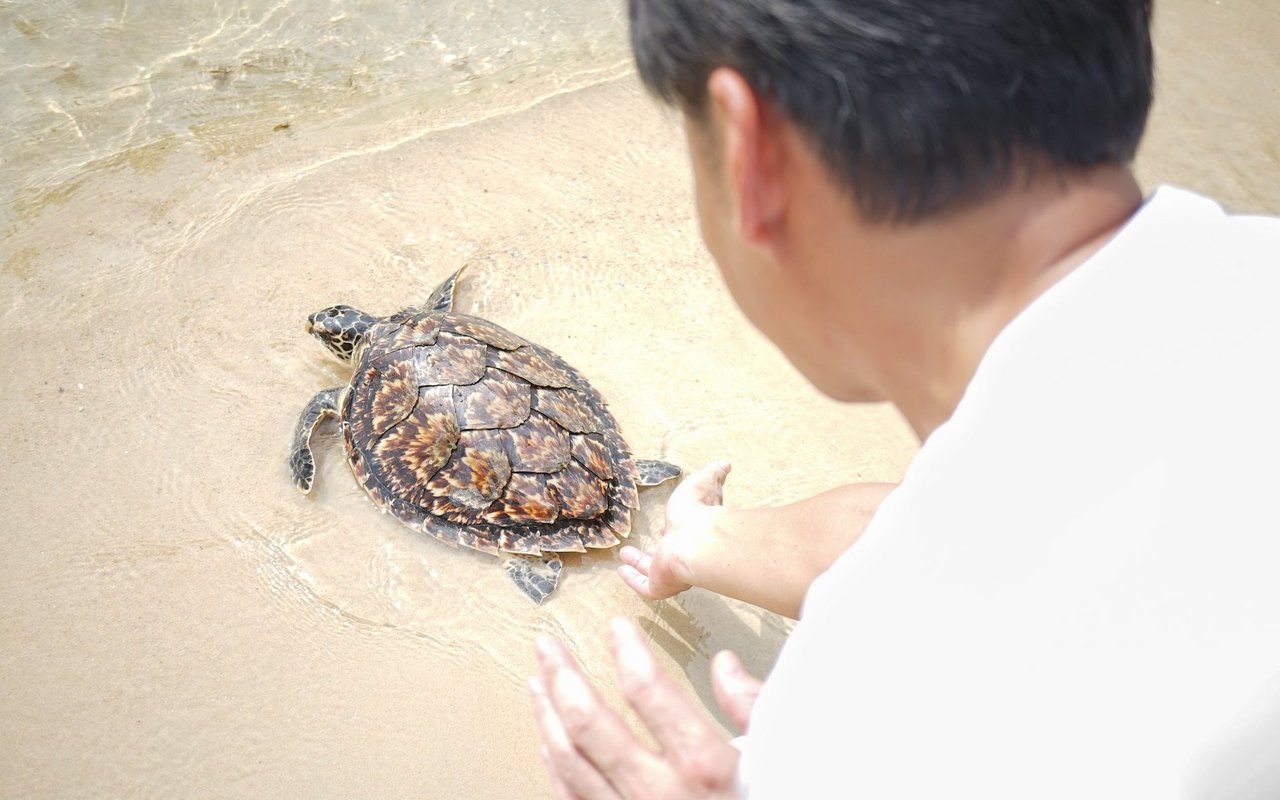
(559, 790)
(635, 557)
(652, 586)
(635, 572)
(684, 734)
(596, 731)
(637, 580)
(736, 689)
(572, 776)
(704, 486)
(642, 573)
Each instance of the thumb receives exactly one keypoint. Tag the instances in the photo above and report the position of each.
(704, 487)
(736, 689)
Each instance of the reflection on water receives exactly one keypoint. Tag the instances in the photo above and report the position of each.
(84, 80)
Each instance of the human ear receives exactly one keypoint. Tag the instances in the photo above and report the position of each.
(752, 149)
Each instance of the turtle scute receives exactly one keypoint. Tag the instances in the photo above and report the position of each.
(392, 394)
(591, 452)
(538, 445)
(569, 408)
(531, 365)
(400, 331)
(451, 361)
(475, 476)
(497, 400)
(413, 452)
(580, 493)
(485, 440)
(528, 499)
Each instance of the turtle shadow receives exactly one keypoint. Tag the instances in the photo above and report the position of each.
(694, 626)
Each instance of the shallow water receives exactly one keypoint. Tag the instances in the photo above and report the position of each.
(184, 186)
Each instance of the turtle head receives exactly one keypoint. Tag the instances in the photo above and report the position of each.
(340, 328)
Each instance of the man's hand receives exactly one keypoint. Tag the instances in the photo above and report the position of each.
(591, 753)
(766, 556)
(691, 516)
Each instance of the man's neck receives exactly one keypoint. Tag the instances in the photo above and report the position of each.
(958, 282)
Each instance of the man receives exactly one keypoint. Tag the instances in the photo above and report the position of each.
(1073, 592)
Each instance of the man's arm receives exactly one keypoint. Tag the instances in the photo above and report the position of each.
(764, 556)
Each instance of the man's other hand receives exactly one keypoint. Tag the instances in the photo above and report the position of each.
(591, 753)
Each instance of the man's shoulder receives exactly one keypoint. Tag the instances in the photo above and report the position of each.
(1142, 376)
(1195, 231)
(1183, 286)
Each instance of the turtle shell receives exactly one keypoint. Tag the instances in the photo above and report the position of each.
(480, 438)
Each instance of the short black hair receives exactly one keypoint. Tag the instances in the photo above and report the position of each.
(920, 106)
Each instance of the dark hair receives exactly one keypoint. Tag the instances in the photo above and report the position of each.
(920, 106)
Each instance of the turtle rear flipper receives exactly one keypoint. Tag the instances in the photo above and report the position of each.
(536, 577)
(652, 473)
(302, 463)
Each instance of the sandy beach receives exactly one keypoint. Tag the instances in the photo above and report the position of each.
(178, 620)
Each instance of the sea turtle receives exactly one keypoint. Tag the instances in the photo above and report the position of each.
(467, 432)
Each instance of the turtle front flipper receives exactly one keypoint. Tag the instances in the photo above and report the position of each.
(536, 577)
(441, 300)
(302, 464)
(652, 473)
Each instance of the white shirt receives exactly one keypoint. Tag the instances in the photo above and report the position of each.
(1075, 592)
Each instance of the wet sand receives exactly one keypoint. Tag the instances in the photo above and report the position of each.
(179, 621)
